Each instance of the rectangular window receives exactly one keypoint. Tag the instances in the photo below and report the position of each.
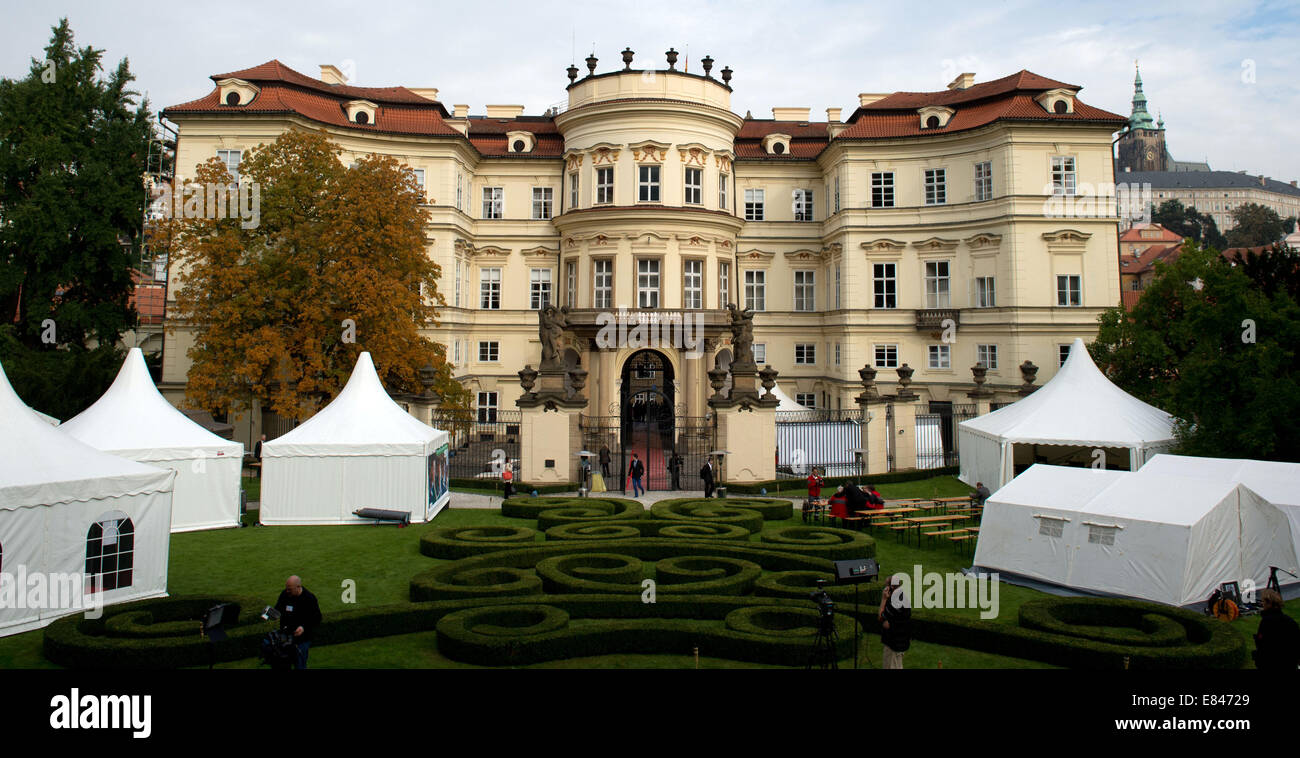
(460, 192)
(456, 348)
(543, 197)
(694, 186)
(885, 282)
(882, 189)
(936, 284)
(603, 284)
(647, 283)
(837, 353)
(837, 286)
(1063, 175)
(489, 352)
(539, 288)
(692, 284)
(940, 356)
(231, 158)
(1069, 290)
(1062, 353)
(605, 184)
(936, 186)
(647, 184)
(756, 290)
(1101, 535)
(985, 297)
(571, 284)
(457, 285)
(760, 353)
(803, 205)
(886, 356)
(837, 193)
(490, 289)
(573, 190)
(724, 284)
(805, 354)
(1050, 527)
(804, 291)
(983, 181)
(722, 191)
(987, 356)
(753, 205)
(494, 202)
(487, 407)
(806, 399)
(419, 181)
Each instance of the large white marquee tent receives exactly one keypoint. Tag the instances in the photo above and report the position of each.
(1151, 535)
(92, 524)
(1078, 409)
(360, 451)
(134, 421)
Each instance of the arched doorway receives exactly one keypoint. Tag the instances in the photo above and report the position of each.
(647, 414)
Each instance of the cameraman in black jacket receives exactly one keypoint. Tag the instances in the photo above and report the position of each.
(299, 614)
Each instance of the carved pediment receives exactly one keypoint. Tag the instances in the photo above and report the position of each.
(757, 257)
(540, 254)
(573, 160)
(1066, 236)
(650, 239)
(604, 153)
(884, 245)
(693, 154)
(692, 240)
(723, 161)
(983, 240)
(490, 251)
(803, 256)
(936, 245)
(649, 151)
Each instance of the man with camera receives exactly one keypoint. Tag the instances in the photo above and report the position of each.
(895, 623)
(299, 615)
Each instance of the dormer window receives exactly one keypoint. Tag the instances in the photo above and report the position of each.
(776, 144)
(935, 116)
(236, 92)
(520, 142)
(361, 112)
(1058, 101)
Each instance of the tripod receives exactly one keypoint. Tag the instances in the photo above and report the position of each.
(823, 652)
(1272, 578)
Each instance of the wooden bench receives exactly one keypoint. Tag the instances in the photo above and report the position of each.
(961, 539)
(942, 532)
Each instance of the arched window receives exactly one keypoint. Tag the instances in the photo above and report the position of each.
(932, 122)
(110, 552)
(1060, 106)
(232, 98)
(363, 117)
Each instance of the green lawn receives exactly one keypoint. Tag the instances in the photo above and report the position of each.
(379, 562)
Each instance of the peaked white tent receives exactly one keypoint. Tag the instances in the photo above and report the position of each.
(360, 451)
(1154, 536)
(134, 421)
(1078, 408)
(93, 526)
(786, 404)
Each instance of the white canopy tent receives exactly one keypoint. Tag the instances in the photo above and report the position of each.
(1078, 408)
(1154, 536)
(134, 421)
(92, 525)
(360, 451)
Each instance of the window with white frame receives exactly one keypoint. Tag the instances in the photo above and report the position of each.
(1063, 178)
(756, 290)
(987, 356)
(489, 351)
(605, 184)
(419, 181)
(489, 287)
(803, 205)
(940, 356)
(885, 284)
(693, 284)
(837, 286)
(805, 354)
(231, 158)
(456, 351)
(837, 193)
(936, 186)
(647, 283)
(985, 296)
(886, 356)
(571, 284)
(543, 198)
(882, 189)
(760, 353)
(573, 190)
(486, 407)
(494, 202)
(837, 353)
(1069, 290)
(1062, 353)
(457, 283)
(110, 553)
(806, 399)
(539, 288)
(937, 284)
(647, 184)
(722, 191)
(724, 284)
(983, 181)
(694, 186)
(602, 280)
(753, 205)
(805, 290)
(460, 192)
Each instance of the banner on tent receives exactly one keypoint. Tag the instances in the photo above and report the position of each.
(439, 471)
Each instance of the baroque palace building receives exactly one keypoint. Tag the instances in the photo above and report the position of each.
(931, 229)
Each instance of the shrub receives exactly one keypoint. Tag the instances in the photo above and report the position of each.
(453, 542)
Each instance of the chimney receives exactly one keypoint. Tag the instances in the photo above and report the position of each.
(867, 98)
(963, 81)
(833, 115)
(504, 111)
(791, 114)
(460, 111)
(428, 93)
(331, 75)
(1293, 182)
(1261, 180)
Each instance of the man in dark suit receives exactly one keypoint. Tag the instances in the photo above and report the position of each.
(257, 455)
(706, 473)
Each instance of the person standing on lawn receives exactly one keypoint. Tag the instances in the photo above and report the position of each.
(895, 624)
(508, 479)
(815, 484)
(300, 615)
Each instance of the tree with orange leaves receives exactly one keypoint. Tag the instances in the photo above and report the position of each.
(319, 263)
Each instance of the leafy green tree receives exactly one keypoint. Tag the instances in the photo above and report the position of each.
(1255, 225)
(1220, 353)
(72, 154)
(1188, 223)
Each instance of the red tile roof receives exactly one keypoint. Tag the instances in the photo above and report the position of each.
(1129, 298)
(275, 71)
(872, 123)
(1135, 234)
(1146, 260)
(807, 138)
(488, 135)
(1020, 82)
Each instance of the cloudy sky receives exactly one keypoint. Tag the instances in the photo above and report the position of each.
(1225, 75)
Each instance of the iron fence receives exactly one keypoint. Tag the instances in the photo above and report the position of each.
(827, 440)
(480, 445)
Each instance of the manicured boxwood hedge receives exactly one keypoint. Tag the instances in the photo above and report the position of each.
(709, 511)
(647, 527)
(596, 507)
(452, 542)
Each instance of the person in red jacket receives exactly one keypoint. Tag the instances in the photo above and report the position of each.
(839, 504)
(815, 483)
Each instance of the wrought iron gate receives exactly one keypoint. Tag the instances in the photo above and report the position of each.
(481, 442)
(655, 439)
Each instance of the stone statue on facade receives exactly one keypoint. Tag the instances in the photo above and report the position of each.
(551, 323)
(742, 335)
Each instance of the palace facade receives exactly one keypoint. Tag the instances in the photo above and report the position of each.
(933, 229)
